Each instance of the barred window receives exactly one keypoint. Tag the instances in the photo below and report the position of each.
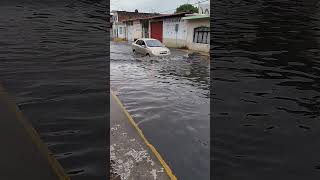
(201, 35)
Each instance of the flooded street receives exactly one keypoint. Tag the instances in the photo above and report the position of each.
(53, 63)
(169, 99)
(266, 86)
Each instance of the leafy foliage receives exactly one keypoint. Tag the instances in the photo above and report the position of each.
(187, 8)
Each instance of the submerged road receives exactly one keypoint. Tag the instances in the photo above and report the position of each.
(23, 155)
(169, 100)
(130, 152)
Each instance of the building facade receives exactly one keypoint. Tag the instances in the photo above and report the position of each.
(179, 30)
(198, 29)
(198, 32)
(120, 23)
(169, 29)
(174, 32)
(135, 29)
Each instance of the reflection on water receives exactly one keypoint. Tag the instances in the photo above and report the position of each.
(266, 97)
(169, 99)
(53, 61)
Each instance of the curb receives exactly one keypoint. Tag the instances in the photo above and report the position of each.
(152, 148)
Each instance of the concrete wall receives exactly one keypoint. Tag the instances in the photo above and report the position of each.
(137, 26)
(130, 33)
(172, 38)
(191, 24)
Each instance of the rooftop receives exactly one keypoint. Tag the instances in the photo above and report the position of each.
(125, 15)
(200, 16)
(158, 16)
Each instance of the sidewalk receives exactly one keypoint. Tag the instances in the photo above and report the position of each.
(22, 154)
(189, 51)
(132, 157)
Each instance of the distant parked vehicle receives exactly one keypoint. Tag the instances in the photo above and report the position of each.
(150, 47)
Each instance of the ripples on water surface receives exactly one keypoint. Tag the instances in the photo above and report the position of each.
(266, 90)
(169, 99)
(53, 61)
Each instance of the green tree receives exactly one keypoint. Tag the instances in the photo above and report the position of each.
(187, 8)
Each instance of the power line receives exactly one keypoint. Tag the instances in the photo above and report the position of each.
(181, 4)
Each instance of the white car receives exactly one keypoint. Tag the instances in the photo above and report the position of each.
(150, 47)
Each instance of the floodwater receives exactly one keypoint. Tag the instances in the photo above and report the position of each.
(266, 90)
(53, 61)
(169, 99)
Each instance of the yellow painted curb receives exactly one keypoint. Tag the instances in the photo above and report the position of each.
(55, 165)
(152, 148)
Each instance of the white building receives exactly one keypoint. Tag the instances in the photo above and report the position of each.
(198, 32)
(118, 28)
(136, 29)
(174, 32)
(204, 9)
(170, 29)
(180, 30)
(198, 29)
(126, 25)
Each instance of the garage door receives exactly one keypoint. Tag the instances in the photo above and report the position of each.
(156, 30)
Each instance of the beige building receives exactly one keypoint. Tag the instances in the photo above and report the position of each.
(122, 19)
(198, 32)
(137, 28)
(180, 30)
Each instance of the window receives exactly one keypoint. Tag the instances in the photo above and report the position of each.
(176, 27)
(153, 43)
(140, 42)
(201, 35)
(120, 30)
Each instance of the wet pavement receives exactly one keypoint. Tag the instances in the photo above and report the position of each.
(22, 153)
(131, 158)
(266, 95)
(168, 97)
(53, 62)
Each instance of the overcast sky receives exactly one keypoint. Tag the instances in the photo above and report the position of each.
(149, 5)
